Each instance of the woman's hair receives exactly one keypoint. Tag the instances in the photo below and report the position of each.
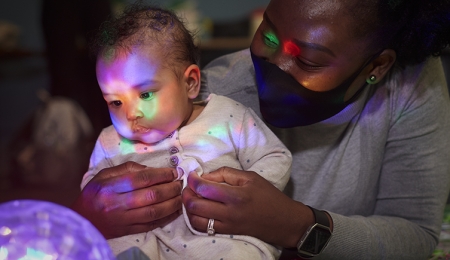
(415, 29)
(141, 24)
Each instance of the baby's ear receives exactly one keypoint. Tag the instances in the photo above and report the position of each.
(192, 80)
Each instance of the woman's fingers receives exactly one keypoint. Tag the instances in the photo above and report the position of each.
(228, 175)
(130, 198)
(137, 179)
(145, 227)
(124, 168)
(221, 188)
(200, 210)
(153, 213)
(151, 195)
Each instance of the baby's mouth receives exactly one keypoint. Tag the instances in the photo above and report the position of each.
(137, 129)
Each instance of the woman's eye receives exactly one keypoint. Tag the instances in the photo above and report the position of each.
(146, 95)
(271, 40)
(307, 65)
(115, 103)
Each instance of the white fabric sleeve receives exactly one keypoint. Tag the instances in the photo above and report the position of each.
(97, 162)
(259, 150)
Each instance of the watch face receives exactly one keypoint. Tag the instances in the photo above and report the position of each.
(316, 240)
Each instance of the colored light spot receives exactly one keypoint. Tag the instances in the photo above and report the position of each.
(291, 48)
(3, 253)
(149, 108)
(271, 40)
(217, 131)
(33, 254)
(127, 147)
(4, 231)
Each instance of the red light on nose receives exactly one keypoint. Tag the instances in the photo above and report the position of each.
(290, 48)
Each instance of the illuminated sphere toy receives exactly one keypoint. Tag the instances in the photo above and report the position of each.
(32, 230)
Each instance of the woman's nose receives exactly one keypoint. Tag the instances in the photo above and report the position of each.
(277, 58)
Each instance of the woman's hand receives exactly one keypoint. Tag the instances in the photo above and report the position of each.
(248, 205)
(130, 198)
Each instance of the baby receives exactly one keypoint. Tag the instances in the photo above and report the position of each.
(148, 73)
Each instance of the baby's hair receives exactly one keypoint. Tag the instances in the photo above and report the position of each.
(141, 24)
(415, 29)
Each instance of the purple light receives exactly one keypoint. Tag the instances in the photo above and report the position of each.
(32, 230)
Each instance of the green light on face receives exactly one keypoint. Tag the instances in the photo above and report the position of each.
(271, 40)
(150, 105)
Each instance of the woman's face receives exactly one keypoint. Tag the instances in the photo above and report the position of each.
(312, 41)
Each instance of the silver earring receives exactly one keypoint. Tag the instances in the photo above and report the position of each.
(371, 79)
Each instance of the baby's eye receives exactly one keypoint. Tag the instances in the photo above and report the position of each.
(115, 103)
(146, 95)
(271, 40)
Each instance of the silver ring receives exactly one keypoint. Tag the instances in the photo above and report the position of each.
(210, 230)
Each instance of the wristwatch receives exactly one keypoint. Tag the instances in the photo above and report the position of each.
(316, 237)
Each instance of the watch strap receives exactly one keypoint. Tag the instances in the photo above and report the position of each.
(320, 217)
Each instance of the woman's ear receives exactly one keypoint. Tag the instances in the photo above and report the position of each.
(381, 65)
(192, 80)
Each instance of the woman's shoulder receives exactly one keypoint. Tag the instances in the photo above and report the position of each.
(416, 80)
(217, 104)
(419, 89)
(229, 73)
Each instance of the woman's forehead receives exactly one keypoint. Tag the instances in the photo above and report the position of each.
(312, 9)
(325, 22)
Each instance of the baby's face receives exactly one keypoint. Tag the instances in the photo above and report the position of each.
(146, 100)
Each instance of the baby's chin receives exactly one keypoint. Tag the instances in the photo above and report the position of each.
(150, 137)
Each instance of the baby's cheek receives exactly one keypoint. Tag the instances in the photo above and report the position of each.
(121, 126)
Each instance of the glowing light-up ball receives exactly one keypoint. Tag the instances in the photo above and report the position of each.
(32, 230)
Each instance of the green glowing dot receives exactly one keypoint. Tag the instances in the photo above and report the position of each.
(271, 40)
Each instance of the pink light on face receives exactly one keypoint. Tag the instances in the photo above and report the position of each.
(290, 48)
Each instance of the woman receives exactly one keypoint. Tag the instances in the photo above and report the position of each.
(351, 89)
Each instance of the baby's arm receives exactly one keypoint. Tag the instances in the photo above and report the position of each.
(261, 151)
(97, 162)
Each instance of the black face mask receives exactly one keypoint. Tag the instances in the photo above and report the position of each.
(286, 103)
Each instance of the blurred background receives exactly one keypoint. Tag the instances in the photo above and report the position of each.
(51, 109)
